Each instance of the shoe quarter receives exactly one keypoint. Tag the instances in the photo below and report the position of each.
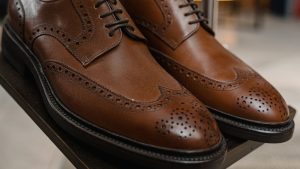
(164, 18)
(74, 23)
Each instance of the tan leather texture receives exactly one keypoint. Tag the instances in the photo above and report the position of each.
(212, 73)
(112, 80)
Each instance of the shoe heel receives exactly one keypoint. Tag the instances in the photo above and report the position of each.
(13, 53)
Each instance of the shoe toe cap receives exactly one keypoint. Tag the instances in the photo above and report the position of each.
(188, 128)
(259, 101)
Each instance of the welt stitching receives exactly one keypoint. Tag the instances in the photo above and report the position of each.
(243, 125)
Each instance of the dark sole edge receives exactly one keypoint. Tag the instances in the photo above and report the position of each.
(246, 129)
(83, 132)
(252, 131)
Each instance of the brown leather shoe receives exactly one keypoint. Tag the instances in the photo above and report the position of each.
(244, 103)
(101, 84)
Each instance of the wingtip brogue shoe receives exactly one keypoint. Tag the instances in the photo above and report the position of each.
(244, 103)
(100, 83)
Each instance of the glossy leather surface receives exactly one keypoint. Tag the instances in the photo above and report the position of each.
(197, 60)
(113, 81)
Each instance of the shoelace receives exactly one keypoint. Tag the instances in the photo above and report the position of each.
(120, 23)
(195, 10)
(201, 19)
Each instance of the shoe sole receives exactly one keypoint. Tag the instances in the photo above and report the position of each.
(17, 53)
(242, 128)
(268, 133)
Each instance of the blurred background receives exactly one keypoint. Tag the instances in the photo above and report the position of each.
(263, 33)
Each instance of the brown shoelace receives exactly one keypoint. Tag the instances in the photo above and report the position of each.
(119, 23)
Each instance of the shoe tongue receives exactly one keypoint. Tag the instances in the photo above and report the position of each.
(100, 43)
(110, 5)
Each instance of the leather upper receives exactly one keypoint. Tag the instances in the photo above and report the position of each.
(111, 81)
(197, 60)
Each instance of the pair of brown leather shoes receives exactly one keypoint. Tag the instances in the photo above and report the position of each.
(102, 85)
